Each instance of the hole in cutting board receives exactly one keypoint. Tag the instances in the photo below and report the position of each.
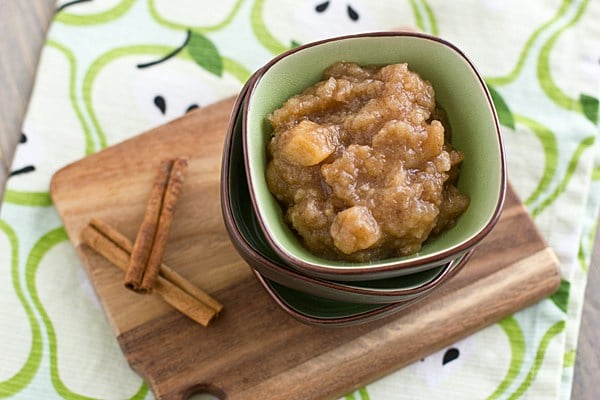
(205, 392)
(203, 396)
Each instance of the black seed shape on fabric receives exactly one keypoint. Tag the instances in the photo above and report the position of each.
(192, 107)
(23, 138)
(322, 7)
(352, 13)
(450, 355)
(160, 103)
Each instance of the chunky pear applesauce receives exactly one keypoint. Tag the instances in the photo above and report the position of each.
(362, 164)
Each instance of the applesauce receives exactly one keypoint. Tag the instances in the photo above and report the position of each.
(362, 165)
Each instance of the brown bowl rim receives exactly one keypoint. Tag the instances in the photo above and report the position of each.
(356, 319)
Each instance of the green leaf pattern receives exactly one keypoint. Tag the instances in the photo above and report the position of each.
(561, 296)
(505, 116)
(589, 106)
(152, 60)
(205, 54)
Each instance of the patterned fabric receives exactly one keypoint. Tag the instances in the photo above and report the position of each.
(111, 69)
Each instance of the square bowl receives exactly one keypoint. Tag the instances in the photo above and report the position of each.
(461, 92)
(243, 229)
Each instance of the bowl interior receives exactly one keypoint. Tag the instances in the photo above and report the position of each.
(459, 90)
(246, 223)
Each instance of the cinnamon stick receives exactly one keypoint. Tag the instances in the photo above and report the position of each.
(116, 248)
(152, 238)
(165, 220)
(143, 243)
(165, 271)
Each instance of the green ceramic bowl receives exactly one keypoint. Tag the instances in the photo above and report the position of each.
(248, 239)
(460, 90)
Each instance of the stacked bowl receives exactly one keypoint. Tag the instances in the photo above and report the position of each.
(323, 292)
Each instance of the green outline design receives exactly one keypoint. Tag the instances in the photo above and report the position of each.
(89, 143)
(422, 12)
(573, 163)
(596, 173)
(516, 339)
(431, 17)
(543, 69)
(38, 252)
(159, 18)
(230, 66)
(362, 392)
(34, 199)
(511, 76)
(586, 247)
(261, 32)
(42, 199)
(94, 19)
(418, 17)
(582, 258)
(24, 376)
(364, 395)
(549, 143)
(97, 66)
(569, 358)
(236, 69)
(552, 332)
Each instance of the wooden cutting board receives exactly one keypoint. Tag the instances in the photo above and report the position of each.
(254, 350)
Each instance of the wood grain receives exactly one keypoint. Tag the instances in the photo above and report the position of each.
(254, 349)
